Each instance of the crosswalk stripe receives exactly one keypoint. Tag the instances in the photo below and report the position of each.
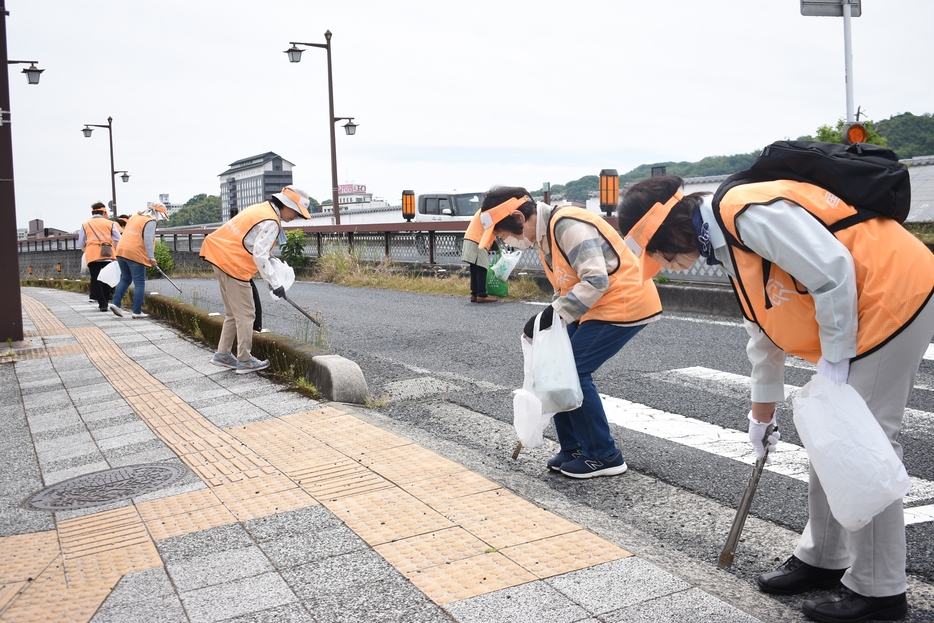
(788, 459)
(929, 353)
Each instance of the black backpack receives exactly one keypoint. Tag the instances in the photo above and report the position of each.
(868, 177)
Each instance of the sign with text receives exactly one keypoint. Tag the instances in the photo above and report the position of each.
(350, 189)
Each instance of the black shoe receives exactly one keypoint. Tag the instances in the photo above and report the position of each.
(796, 576)
(843, 605)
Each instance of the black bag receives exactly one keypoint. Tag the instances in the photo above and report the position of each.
(868, 177)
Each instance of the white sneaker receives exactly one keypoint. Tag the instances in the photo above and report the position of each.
(141, 315)
(116, 310)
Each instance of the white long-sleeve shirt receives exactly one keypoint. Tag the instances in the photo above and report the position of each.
(789, 237)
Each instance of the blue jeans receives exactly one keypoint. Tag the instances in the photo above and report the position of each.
(135, 272)
(594, 342)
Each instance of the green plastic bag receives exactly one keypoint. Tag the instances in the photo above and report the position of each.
(494, 285)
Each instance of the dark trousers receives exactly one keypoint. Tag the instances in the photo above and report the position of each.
(477, 280)
(100, 291)
(258, 309)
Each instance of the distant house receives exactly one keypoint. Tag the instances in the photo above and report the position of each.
(253, 180)
(170, 208)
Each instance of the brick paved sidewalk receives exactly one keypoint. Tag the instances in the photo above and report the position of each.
(286, 509)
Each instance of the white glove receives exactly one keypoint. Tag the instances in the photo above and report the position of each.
(757, 436)
(836, 372)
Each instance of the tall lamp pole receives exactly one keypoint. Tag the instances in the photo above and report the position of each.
(295, 55)
(87, 129)
(11, 312)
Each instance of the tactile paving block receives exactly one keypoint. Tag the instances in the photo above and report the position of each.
(407, 464)
(332, 482)
(435, 548)
(51, 598)
(469, 577)
(449, 486)
(563, 553)
(24, 556)
(101, 532)
(184, 513)
(386, 515)
(503, 519)
(46, 323)
(264, 505)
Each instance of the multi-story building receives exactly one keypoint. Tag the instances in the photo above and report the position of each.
(170, 208)
(253, 180)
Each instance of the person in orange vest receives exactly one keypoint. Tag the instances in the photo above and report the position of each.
(237, 250)
(135, 253)
(855, 301)
(478, 259)
(99, 237)
(599, 292)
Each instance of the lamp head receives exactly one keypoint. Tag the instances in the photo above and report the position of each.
(295, 53)
(87, 131)
(350, 127)
(32, 73)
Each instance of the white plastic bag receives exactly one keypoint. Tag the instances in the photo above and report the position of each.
(527, 415)
(506, 262)
(84, 272)
(554, 372)
(285, 274)
(854, 460)
(110, 274)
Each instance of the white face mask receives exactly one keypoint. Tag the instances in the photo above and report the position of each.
(517, 243)
(681, 261)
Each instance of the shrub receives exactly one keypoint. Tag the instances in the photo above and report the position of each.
(293, 251)
(163, 258)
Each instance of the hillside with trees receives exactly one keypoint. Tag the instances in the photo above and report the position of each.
(906, 134)
(198, 210)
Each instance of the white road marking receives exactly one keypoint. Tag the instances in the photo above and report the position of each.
(788, 459)
(722, 323)
(929, 353)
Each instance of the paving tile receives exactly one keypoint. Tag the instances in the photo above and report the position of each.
(291, 523)
(534, 602)
(204, 543)
(689, 605)
(139, 435)
(599, 589)
(298, 549)
(289, 613)
(217, 568)
(232, 599)
(389, 600)
(337, 574)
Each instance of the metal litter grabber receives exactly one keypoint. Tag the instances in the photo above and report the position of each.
(169, 280)
(742, 511)
(306, 314)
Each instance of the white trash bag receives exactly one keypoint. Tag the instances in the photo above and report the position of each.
(554, 371)
(527, 415)
(285, 274)
(110, 274)
(84, 272)
(506, 263)
(854, 460)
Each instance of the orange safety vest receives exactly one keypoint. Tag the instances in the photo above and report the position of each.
(132, 246)
(225, 247)
(894, 271)
(627, 298)
(474, 229)
(98, 230)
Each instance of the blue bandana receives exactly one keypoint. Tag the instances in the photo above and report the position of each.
(702, 230)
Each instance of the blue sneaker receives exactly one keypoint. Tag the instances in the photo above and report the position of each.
(555, 462)
(224, 361)
(583, 467)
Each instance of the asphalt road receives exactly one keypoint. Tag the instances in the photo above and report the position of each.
(448, 368)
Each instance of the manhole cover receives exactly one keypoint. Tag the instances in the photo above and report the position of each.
(112, 485)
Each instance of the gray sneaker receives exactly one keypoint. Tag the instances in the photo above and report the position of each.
(252, 365)
(224, 361)
(116, 310)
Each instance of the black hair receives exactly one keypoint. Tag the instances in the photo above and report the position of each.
(97, 205)
(277, 202)
(676, 234)
(499, 194)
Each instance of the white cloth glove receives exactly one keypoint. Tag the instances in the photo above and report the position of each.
(757, 436)
(836, 372)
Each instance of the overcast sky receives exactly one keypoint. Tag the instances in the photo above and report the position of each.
(463, 95)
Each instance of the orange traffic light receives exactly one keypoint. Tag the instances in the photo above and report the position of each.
(854, 133)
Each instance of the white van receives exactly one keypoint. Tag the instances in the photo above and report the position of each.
(448, 206)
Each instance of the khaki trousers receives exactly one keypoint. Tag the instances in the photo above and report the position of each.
(875, 554)
(239, 312)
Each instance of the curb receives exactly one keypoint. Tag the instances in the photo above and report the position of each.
(712, 299)
(336, 378)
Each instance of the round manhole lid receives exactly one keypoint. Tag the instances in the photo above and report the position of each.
(112, 485)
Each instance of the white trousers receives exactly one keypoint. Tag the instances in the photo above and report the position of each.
(875, 554)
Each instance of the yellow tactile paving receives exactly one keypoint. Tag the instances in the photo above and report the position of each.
(408, 463)
(50, 598)
(384, 516)
(24, 556)
(46, 323)
(435, 548)
(469, 577)
(563, 553)
(184, 513)
(449, 486)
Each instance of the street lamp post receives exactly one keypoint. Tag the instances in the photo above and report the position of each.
(87, 129)
(11, 307)
(295, 55)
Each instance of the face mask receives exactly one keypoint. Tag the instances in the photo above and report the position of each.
(681, 261)
(517, 243)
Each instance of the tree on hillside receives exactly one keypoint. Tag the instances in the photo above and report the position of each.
(711, 165)
(909, 135)
(198, 210)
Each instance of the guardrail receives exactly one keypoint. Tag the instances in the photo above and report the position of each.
(422, 243)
